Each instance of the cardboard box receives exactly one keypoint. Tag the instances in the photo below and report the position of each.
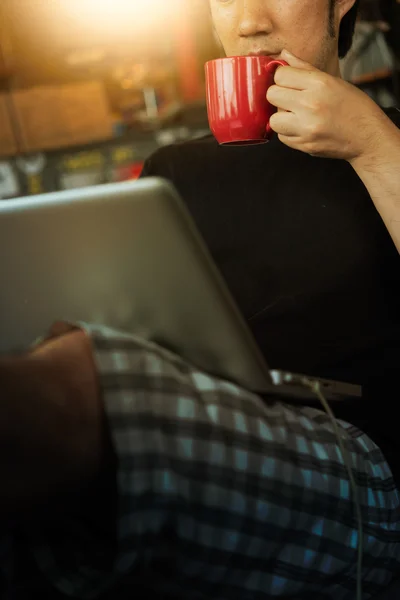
(8, 143)
(52, 117)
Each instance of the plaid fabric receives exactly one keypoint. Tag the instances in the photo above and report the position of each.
(222, 495)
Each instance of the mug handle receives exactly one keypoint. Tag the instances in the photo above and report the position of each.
(271, 68)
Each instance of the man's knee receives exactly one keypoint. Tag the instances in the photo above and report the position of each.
(52, 416)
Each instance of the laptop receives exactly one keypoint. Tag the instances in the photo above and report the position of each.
(129, 256)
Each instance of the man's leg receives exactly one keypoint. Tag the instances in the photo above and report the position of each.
(51, 425)
(222, 493)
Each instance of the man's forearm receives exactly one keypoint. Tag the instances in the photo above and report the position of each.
(380, 173)
(50, 426)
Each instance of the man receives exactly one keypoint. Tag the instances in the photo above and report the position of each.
(127, 467)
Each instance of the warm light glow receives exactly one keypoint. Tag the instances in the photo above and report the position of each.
(112, 13)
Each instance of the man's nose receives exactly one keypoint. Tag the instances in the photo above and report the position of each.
(254, 18)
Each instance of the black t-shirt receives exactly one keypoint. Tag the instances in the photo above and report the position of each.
(302, 249)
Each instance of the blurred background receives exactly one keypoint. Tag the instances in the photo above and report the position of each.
(90, 88)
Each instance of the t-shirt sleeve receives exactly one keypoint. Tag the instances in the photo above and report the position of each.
(166, 162)
(147, 170)
(160, 164)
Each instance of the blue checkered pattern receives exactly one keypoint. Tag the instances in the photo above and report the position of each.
(237, 498)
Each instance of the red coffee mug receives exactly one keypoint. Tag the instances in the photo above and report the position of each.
(237, 105)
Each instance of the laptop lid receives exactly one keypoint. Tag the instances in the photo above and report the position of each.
(125, 255)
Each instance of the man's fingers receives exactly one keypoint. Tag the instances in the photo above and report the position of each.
(299, 75)
(283, 98)
(295, 61)
(294, 78)
(284, 123)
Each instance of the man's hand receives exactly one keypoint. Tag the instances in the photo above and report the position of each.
(323, 115)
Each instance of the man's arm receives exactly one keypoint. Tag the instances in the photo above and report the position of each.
(52, 434)
(325, 116)
(380, 172)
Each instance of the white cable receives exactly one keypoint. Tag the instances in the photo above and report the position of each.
(340, 434)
